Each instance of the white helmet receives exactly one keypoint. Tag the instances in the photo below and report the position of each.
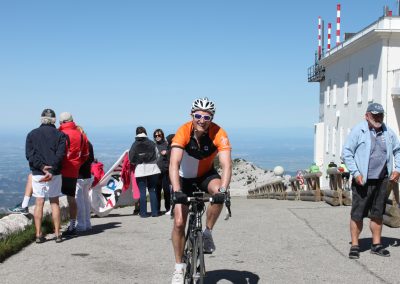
(203, 104)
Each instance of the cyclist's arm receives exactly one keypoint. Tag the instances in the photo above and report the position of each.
(175, 161)
(225, 162)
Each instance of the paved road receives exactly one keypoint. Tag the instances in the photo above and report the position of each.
(266, 241)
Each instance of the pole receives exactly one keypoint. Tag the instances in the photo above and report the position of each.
(319, 38)
(338, 24)
(329, 36)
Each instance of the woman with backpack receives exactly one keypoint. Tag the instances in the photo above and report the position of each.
(144, 155)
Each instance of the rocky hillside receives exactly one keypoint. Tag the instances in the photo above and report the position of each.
(245, 176)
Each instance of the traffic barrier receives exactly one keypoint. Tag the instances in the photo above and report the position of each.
(336, 195)
(311, 190)
(273, 190)
(296, 186)
(279, 190)
(391, 217)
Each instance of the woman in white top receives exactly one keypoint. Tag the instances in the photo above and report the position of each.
(143, 154)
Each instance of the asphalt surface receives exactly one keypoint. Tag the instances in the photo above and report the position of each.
(266, 241)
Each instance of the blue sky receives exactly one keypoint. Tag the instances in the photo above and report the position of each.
(119, 64)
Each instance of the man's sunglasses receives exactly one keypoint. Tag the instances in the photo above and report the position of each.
(199, 116)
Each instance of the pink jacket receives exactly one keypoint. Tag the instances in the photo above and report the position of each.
(128, 177)
(97, 171)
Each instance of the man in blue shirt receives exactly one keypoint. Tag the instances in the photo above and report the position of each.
(369, 153)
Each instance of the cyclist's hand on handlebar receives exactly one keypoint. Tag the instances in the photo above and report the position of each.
(219, 198)
(178, 197)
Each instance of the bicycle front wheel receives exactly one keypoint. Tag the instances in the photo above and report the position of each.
(197, 265)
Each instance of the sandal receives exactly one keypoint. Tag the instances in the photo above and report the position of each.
(354, 252)
(380, 250)
(58, 239)
(40, 239)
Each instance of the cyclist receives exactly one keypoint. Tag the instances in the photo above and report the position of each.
(193, 149)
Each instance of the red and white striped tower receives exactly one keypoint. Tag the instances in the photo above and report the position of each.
(329, 36)
(319, 38)
(338, 24)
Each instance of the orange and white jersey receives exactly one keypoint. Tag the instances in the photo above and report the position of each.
(198, 159)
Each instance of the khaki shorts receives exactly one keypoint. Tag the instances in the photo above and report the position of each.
(50, 188)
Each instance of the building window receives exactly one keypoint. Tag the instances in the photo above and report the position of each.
(396, 78)
(346, 89)
(327, 95)
(334, 141)
(396, 83)
(340, 141)
(360, 85)
(327, 140)
(370, 87)
(334, 95)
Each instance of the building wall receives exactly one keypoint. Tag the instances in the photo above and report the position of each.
(360, 75)
(370, 64)
(391, 102)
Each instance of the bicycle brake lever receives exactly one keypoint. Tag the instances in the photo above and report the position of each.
(227, 215)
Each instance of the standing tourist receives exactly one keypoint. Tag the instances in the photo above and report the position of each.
(77, 152)
(163, 163)
(143, 154)
(45, 150)
(368, 154)
(22, 208)
(82, 191)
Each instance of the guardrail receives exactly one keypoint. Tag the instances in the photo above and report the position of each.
(391, 217)
(272, 190)
(312, 190)
(336, 195)
(306, 188)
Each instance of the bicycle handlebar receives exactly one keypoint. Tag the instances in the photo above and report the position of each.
(216, 199)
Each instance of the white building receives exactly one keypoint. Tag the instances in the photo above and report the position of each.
(363, 69)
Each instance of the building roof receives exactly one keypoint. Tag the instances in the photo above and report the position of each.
(384, 27)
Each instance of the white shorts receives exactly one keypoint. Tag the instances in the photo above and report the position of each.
(50, 188)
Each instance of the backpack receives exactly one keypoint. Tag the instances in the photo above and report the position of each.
(144, 152)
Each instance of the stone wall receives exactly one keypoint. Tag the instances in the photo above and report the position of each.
(18, 222)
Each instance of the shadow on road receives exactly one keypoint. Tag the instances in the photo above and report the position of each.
(111, 215)
(234, 276)
(98, 229)
(365, 243)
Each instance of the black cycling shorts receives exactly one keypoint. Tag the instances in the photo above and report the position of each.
(68, 186)
(369, 198)
(189, 184)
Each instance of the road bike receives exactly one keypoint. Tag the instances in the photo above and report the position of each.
(193, 255)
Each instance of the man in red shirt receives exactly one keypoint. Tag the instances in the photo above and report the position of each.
(77, 152)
